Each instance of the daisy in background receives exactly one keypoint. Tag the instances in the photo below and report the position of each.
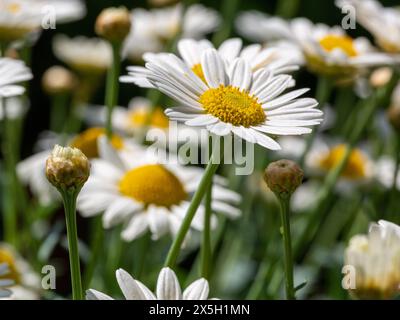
(18, 19)
(376, 259)
(232, 98)
(131, 120)
(168, 288)
(134, 188)
(383, 23)
(153, 29)
(31, 171)
(23, 283)
(324, 156)
(326, 50)
(82, 54)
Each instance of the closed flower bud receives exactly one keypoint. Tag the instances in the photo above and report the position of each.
(283, 177)
(380, 77)
(113, 24)
(67, 168)
(58, 80)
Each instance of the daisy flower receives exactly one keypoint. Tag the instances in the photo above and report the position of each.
(85, 55)
(133, 187)
(18, 19)
(153, 29)
(12, 72)
(323, 156)
(376, 259)
(168, 288)
(326, 50)
(23, 283)
(233, 98)
(383, 23)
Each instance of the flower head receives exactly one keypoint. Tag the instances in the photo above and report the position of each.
(233, 98)
(376, 259)
(168, 288)
(67, 168)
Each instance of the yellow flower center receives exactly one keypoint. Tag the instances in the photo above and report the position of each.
(355, 167)
(141, 117)
(198, 71)
(332, 42)
(153, 184)
(7, 257)
(87, 142)
(231, 105)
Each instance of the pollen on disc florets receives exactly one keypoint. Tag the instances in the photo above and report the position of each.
(67, 168)
(153, 185)
(232, 105)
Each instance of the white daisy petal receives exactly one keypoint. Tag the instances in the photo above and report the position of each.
(136, 227)
(129, 286)
(240, 74)
(168, 287)
(198, 290)
(92, 294)
(213, 68)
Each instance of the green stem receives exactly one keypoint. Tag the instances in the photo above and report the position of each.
(324, 89)
(209, 172)
(228, 9)
(95, 249)
(69, 199)
(393, 189)
(10, 206)
(206, 254)
(112, 86)
(287, 8)
(289, 284)
(58, 113)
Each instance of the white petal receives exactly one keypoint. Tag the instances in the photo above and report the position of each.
(213, 68)
(92, 294)
(198, 290)
(240, 74)
(118, 211)
(158, 222)
(136, 227)
(129, 286)
(168, 287)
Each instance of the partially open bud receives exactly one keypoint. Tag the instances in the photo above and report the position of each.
(380, 77)
(67, 168)
(283, 177)
(113, 24)
(58, 80)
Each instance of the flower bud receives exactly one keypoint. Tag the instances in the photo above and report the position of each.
(67, 168)
(380, 77)
(58, 80)
(113, 24)
(283, 177)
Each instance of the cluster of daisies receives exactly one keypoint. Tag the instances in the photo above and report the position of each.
(232, 89)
